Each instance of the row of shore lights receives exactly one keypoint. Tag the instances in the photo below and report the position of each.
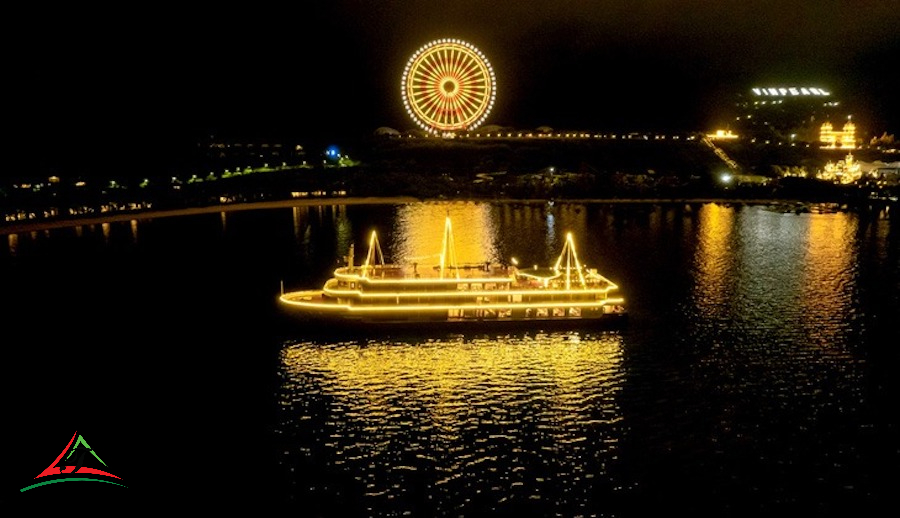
(447, 41)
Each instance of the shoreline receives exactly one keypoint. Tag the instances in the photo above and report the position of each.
(33, 226)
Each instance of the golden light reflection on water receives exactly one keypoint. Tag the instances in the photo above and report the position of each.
(713, 258)
(828, 274)
(420, 230)
(464, 416)
(764, 279)
(534, 233)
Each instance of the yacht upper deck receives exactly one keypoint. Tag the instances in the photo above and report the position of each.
(397, 272)
(567, 274)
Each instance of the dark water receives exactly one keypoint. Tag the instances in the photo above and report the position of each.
(757, 375)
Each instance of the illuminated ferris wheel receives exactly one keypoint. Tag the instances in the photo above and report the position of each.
(448, 85)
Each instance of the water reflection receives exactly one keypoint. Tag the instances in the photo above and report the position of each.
(420, 228)
(505, 418)
(767, 271)
(343, 227)
(713, 260)
(321, 231)
(551, 228)
(774, 305)
(772, 391)
(829, 277)
(533, 233)
(302, 231)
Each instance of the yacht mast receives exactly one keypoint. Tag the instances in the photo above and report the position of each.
(571, 257)
(373, 256)
(448, 252)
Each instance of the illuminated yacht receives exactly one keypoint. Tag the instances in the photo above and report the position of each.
(379, 293)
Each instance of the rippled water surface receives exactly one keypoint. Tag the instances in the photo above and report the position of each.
(756, 375)
(448, 425)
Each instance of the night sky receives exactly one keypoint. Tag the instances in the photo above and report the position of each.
(150, 80)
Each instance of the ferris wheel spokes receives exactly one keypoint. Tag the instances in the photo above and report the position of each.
(448, 85)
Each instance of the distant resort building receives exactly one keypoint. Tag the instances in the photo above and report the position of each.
(834, 139)
(844, 171)
(786, 114)
(884, 173)
(850, 170)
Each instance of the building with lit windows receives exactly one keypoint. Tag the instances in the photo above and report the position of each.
(844, 138)
(844, 171)
(785, 114)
